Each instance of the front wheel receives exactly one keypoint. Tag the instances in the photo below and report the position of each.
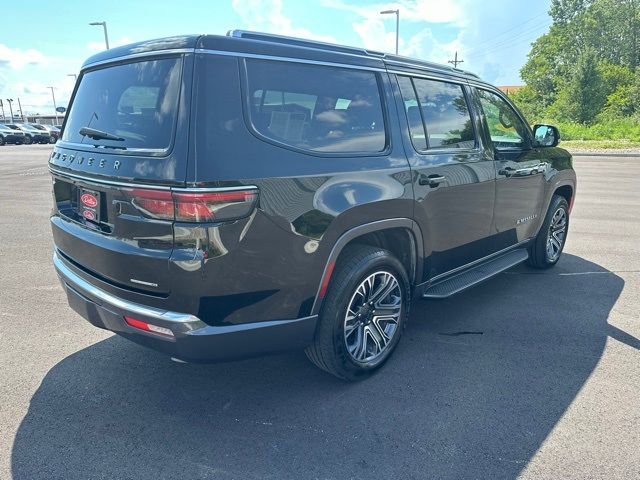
(363, 314)
(27, 140)
(2, 142)
(549, 243)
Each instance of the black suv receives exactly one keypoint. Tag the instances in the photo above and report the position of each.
(219, 197)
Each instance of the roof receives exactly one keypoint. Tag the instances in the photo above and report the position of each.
(243, 41)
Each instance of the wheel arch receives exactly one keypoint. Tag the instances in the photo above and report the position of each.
(395, 235)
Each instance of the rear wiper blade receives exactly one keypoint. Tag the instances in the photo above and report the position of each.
(99, 134)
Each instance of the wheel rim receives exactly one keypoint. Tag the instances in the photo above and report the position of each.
(372, 317)
(557, 234)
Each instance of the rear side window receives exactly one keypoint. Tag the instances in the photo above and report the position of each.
(317, 108)
(444, 110)
(137, 102)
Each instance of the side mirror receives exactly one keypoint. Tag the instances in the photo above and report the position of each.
(546, 136)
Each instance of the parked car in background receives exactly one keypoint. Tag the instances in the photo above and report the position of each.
(53, 131)
(31, 134)
(223, 197)
(10, 135)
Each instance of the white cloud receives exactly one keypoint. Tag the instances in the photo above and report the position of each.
(99, 46)
(16, 58)
(268, 16)
(431, 11)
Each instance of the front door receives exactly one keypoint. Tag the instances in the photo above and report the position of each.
(453, 179)
(520, 169)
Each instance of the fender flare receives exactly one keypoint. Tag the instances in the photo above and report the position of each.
(360, 230)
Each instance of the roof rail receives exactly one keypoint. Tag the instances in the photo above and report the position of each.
(301, 42)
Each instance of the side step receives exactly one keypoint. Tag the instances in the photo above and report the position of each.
(477, 274)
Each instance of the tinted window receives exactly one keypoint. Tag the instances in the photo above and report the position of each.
(414, 117)
(446, 114)
(505, 127)
(324, 109)
(136, 101)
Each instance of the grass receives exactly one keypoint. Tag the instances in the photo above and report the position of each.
(621, 133)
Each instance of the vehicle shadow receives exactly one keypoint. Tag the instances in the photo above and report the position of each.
(477, 384)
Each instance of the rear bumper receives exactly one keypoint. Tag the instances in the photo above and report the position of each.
(192, 339)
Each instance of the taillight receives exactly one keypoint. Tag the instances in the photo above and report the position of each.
(186, 206)
(154, 203)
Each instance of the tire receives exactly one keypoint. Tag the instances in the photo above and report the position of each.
(52, 140)
(27, 140)
(340, 354)
(2, 142)
(541, 254)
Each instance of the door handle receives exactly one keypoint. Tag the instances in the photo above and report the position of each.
(432, 180)
(507, 171)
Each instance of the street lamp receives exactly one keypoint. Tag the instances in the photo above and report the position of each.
(104, 26)
(397, 12)
(55, 108)
(75, 76)
(10, 100)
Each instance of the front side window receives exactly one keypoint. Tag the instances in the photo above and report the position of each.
(317, 108)
(506, 129)
(445, 113)
(137, 102)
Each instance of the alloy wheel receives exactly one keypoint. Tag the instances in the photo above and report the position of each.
(557, 234)
(373, 316)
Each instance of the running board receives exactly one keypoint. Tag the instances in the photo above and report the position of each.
(477, 274)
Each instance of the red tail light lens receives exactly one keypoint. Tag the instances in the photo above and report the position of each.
(187, 206)
(154, 203)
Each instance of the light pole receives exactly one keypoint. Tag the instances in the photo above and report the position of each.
(397, 12)
(55, 108)
(4, 118)
(10, 100)
(106, 36)
(75, 76)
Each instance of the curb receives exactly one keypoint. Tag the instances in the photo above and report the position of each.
(604, 154)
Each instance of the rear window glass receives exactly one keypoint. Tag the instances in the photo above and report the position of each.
(445, 113)
(137, 102)
(324, 109)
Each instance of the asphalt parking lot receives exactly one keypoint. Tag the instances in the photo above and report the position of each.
(547, 386)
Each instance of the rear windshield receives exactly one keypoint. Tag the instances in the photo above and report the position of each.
(136, 102)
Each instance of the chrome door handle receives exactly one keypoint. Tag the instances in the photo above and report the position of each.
(431, 180)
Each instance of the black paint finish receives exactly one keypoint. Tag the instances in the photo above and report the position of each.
(269, 266)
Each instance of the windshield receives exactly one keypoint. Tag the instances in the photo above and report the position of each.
(135, 102)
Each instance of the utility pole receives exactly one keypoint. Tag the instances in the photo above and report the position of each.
(10, 100)
(55, 107)
(455, 61)
(21, 112)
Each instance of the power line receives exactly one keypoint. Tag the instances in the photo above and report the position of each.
(512, 29)
(523, 36)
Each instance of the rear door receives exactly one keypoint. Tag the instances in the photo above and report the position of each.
(113, 168)
(521, 170)
(453, 179)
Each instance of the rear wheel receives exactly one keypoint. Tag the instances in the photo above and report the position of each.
(27, 140)
(549, 243)
(363, 314)
(2, 142)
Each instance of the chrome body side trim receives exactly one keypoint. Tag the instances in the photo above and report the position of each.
(290, 59)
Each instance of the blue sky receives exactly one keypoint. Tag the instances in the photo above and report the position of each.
(40, 47)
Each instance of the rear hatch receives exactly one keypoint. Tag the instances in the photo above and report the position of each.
(113, 170)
